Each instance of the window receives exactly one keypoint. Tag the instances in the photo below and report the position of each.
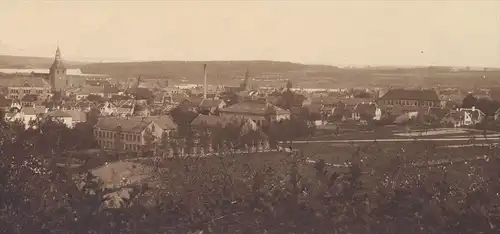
(26, 91)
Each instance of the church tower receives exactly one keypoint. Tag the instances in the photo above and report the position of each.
(57, 73)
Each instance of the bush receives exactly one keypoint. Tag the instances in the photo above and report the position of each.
(381, 191)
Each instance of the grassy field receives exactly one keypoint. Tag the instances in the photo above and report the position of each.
(378, 160)
(396, 132)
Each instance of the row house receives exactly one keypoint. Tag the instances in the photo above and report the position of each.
(18, 87)
(132, 134)
(259, 111)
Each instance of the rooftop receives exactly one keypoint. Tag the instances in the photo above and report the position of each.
(165, 122)
(209, 103)
(38, 82)
(257, 107)
(126, 125)
(59, 113)
(411, 94)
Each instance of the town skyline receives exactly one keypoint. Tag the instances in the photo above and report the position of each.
(377, 34)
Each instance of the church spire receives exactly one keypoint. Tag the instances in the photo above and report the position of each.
(58, 54)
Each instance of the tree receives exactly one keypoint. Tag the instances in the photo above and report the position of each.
(118, 138)
(149, 141)
(164, 144)
(469, 101)
(92, 116)
(204, 138)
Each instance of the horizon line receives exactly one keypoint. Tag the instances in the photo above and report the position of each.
(123, 60)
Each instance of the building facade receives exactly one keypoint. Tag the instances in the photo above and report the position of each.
(21, 86)
(133, 134)
(408, 100)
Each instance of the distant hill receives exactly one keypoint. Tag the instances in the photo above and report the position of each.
(274, 73)
(303, 75)
(193, 70)
(26, 62)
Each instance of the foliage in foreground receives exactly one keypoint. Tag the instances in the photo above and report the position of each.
(234, 194)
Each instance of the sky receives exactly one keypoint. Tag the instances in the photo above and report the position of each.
(404, 33)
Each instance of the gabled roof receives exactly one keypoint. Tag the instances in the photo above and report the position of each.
(27, 82)
(411, 94)
(209, 103)
(165, 122)
(126, 125)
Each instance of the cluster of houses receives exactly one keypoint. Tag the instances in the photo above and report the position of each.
(129, 114)
(397, 106)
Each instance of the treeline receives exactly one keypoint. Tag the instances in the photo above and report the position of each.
(384, 193)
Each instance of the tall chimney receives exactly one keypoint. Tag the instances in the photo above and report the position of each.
(204, 81)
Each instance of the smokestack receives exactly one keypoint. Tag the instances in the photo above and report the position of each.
(204, 81)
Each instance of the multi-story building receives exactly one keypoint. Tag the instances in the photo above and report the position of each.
(408, 100)
(20, 86)
(132, 134)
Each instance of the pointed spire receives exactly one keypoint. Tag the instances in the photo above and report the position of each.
(58, 53)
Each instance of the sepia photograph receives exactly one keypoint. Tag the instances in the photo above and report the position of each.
(225, 117)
